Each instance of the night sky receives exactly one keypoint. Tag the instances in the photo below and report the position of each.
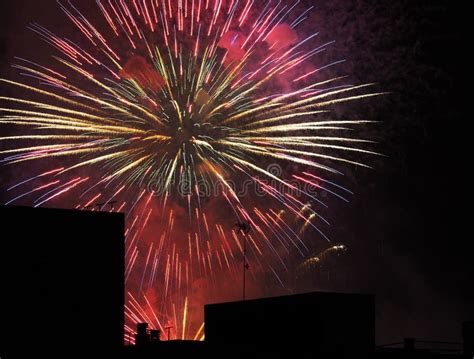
(406, 227)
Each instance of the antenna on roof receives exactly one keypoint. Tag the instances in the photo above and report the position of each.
(244, 228)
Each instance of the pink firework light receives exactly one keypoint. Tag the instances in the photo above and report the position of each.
(188, 116)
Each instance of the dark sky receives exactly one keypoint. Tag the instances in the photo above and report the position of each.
(407, 225)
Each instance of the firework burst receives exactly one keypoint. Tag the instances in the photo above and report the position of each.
(162, 102)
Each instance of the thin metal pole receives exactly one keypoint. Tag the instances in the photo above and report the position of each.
(245, 264)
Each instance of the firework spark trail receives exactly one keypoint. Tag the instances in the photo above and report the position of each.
(196, 106)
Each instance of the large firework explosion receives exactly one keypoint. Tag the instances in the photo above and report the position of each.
(189, 116)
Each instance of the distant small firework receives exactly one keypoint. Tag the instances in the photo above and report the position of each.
(161, 101)
(317, 260)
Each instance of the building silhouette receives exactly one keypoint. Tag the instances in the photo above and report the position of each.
(62, 280)
(468, 338)
(310, 323)
(62, 286)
